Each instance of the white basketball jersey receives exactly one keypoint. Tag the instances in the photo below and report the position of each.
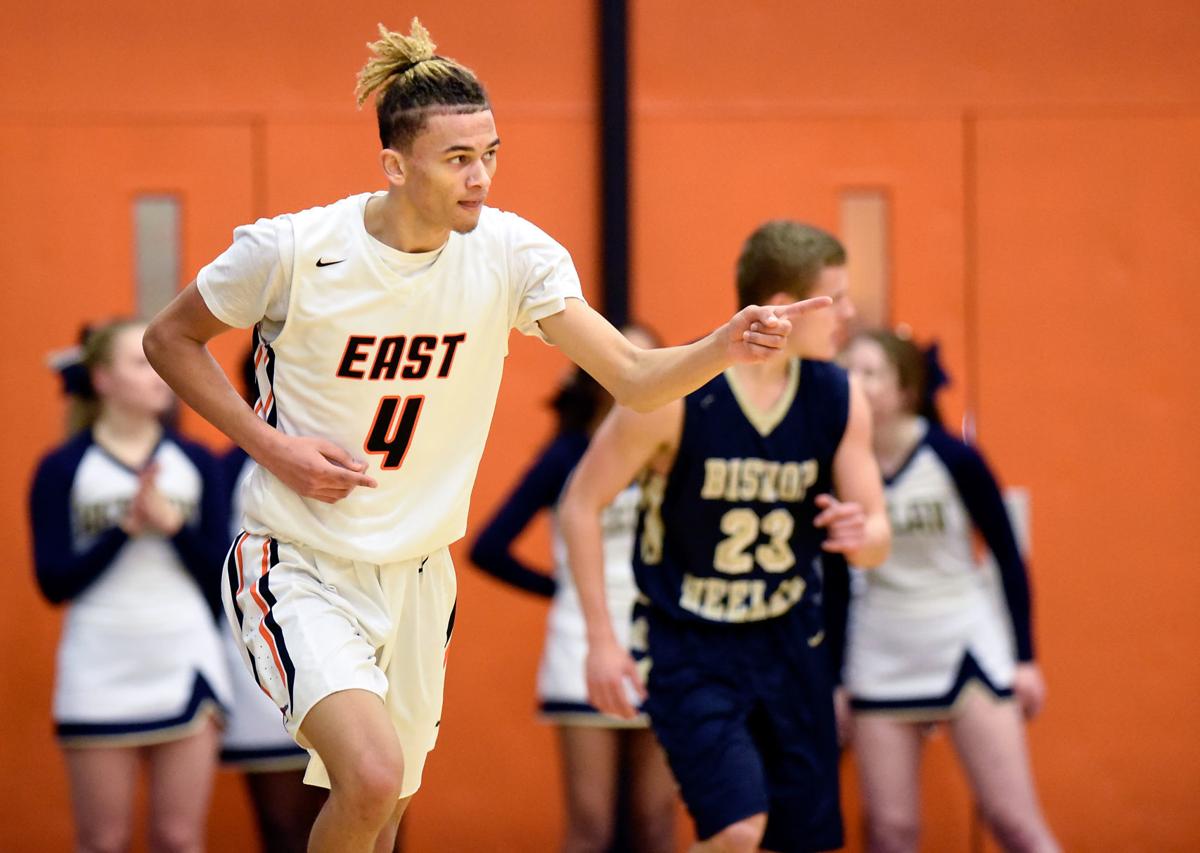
(395, 358)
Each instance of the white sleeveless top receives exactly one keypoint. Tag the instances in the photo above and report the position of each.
(394, 357)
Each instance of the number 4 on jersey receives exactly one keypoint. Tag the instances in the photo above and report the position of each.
(392, 433)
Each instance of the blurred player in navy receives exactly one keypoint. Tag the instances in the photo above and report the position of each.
(739, 506)
(129, 521)
(927, 640)
(598, 752)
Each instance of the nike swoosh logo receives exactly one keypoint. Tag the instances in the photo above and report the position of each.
(321, 262)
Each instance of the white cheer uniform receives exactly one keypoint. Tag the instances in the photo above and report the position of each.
(927, 624)
(139, 661)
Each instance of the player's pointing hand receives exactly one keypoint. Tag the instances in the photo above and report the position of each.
(759, 331)
(317, 468)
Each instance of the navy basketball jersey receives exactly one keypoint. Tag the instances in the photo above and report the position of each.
(727, 535)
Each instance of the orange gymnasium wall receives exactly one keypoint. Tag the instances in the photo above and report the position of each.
(1039, 163)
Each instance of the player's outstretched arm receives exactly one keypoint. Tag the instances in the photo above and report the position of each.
(624, 444)
(855, 521)
(644, 379)
(176, 345)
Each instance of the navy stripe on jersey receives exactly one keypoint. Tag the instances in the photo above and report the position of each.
(264, 357)
(969, 671)
(450, 623)
(233, 578)
(202, 694)
(264, 589)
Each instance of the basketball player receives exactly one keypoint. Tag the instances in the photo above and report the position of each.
(128, 522)
(739, 506)
(384, 320)
(926, 641)
(598, 752)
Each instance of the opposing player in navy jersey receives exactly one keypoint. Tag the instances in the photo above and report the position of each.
(598, 752)
(384, 320)
(739, 506)
(128, 521)
(926, 639)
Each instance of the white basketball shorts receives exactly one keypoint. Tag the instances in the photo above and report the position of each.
(312, 624)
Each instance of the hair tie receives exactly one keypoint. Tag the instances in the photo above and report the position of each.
(409, 66)
(76, 379)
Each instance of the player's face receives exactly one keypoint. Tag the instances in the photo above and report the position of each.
(449, 170)
(820, 334)
(128, 381)
(878, 378)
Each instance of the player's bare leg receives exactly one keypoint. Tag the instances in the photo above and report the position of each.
(353, 734)
(181, 779)
(990, 739)
(741, 837)
(888, 754)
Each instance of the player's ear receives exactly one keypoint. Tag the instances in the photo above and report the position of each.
(393, 166)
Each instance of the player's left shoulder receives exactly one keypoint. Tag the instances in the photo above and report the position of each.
(515, 231)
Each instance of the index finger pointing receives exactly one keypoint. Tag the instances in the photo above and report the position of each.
(803, 306)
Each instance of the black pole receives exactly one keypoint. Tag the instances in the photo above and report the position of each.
(614, 159)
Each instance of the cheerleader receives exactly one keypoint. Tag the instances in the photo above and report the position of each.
(927, 640)
(130, 523)
(598, 752)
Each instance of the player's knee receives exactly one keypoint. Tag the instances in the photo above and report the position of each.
(892, 832)
(741, 837)
(373, 785)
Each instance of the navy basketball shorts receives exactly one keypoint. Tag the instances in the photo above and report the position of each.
(745, 715)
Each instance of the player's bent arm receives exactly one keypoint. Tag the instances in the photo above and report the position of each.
(176, 346)
(623, 445)
(644, 379)
(856, 479)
